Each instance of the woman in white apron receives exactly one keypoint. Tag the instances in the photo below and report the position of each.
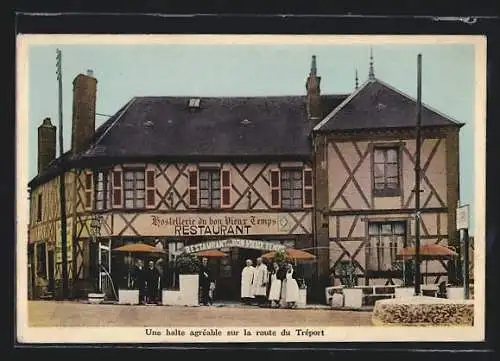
(292, 288)
(275, 290)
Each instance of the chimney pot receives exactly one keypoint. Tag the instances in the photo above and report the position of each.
(84, 102)
(90, 72)
(46, 144)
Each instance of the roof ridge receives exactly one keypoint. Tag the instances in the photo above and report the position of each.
(341, 105)
(114, 122)
(424, 105)
(235, 96)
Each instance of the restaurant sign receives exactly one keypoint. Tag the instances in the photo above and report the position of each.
(212, 224)
(234, 242)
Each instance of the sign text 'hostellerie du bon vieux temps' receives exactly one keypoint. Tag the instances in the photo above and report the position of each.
(223, 225)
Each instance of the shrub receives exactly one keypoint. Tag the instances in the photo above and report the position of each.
(187, 264)
(346, 271)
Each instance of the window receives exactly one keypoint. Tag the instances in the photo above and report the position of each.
(210, 189)
(39, 208)
(134, 188)
(88, 191)
(102, 188)
(386, 171)
(385, 239)
(117, 189)
(291, 188)
(41, 259)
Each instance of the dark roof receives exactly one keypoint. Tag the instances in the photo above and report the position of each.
(165, 126)
(377, 105)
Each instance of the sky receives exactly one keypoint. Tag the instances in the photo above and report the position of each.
(127, 70)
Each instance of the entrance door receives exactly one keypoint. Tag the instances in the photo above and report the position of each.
(104, 261)
(50, 265)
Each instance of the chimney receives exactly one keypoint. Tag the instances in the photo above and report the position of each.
(313, 93)
(46, 144)
(84, 101)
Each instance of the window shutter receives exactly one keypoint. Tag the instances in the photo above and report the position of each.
(226, 188)
(275, 188)
(117, 189)
(308, 187)
(88, 194)
(193, 188)
(150, 188)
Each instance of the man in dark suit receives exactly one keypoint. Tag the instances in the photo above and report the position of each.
(139, 280)
(152, 277)
(205, 279)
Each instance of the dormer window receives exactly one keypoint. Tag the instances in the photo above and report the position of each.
(194, 103)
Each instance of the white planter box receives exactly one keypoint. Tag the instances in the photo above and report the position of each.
(301, 303)
(337, 300)
(189, 288)
(353, 297)
(128, 297)
(455, 293)
(171, 298)
(96, 297)
(403, 292)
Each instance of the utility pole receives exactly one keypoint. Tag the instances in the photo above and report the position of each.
(62, 190)
(417, 175)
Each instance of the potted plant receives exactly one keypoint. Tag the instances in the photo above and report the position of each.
(455, 290)
(188, 267)
(353, 296)
(407, 269)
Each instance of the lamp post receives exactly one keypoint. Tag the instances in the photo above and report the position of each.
(418, 175)
(95, 231)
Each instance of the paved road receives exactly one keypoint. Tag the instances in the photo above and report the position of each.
(54, 314)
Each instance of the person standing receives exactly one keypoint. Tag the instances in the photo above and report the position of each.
(281, 275)
(247, 275)
(205, 279)
(140, 280)
(292, 288)
(152, 278)
(275, 290)
(260, 282)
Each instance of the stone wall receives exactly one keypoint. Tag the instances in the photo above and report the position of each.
(423, 311)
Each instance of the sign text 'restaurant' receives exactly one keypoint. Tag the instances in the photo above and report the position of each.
(234, 242)
(215, 225)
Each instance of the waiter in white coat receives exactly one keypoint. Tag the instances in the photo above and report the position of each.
(260, 281)
(247, 275)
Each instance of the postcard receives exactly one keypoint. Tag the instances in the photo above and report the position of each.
(220, 188)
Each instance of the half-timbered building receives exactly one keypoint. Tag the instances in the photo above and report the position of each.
(329, 173)
(365, 152)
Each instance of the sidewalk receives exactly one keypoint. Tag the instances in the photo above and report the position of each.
(235, 304)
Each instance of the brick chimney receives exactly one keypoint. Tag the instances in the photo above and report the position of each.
(313, 93)
(84, 101)
(46, 144)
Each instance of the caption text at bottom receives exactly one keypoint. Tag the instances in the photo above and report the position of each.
(214, 332)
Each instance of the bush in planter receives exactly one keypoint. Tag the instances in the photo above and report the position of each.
(187, 264)
(346, 271)
(280, 257)
(407, 269)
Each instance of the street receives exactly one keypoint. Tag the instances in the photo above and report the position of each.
(66, 314)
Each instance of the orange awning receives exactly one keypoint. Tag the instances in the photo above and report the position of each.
(211, 253)
(428, 251)
(138, 248)
(292, 253)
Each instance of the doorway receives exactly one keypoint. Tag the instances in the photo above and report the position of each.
(50, 265)
(104, 266)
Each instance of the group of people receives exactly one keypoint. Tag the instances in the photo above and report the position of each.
(275, 286)
(147, 281)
